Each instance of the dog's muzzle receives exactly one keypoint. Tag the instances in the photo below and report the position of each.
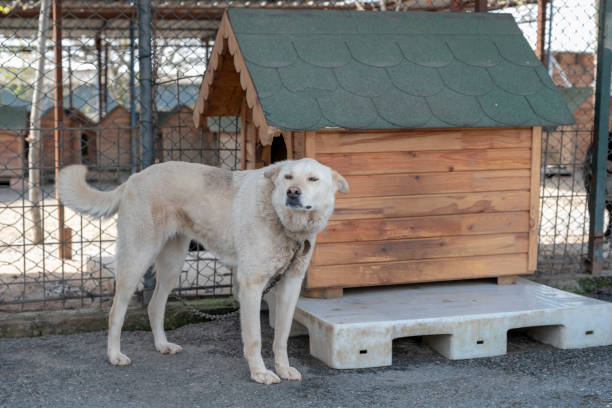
(293, 202)
(293, 197)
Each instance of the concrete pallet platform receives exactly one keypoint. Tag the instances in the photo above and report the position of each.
(460, 320)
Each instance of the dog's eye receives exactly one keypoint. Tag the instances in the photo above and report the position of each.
(313, 179)
(288, 177)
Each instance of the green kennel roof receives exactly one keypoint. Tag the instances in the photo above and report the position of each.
(13, 118)
(384, 70)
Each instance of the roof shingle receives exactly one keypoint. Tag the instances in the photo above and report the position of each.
(381, 70)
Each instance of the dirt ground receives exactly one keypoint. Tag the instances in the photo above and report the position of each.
(70, 371)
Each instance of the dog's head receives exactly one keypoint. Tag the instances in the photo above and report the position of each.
(304, 192)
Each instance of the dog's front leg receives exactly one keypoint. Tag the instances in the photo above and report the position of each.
(287, 294)
(250, 304)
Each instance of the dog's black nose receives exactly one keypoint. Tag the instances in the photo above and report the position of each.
(293, 192)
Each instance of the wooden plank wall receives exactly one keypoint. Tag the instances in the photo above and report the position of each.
(11, 155)
(427, 205)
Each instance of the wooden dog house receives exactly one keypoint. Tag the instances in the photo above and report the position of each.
(433, 118)
(179, 139)
(13, 128)
(113, 141)
(78, 140)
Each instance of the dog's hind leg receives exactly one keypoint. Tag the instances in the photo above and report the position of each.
(131, 266)
(168, 267)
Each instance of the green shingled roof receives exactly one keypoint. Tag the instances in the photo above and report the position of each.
(382, 70)
(13, 118)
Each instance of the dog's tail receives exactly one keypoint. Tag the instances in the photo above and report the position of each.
(75, 193)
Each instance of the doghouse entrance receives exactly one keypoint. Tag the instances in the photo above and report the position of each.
(278, 150)
(273, 153)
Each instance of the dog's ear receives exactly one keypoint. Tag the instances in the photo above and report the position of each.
(341, 184)
(272, 173)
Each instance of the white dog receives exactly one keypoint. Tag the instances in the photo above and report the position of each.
(259, 221)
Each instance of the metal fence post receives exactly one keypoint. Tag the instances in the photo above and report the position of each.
(146, 109)
(480, 6)
(133, 136)
(600, 142)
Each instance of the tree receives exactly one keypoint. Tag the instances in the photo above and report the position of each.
(34, 162)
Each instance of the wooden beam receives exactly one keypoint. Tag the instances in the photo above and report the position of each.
(422, 139)
(205, 11)
(337, 253)
(58, 116)
(506, 280)
(323, 293)
(379, 185)
(534, 199)
(251, 141)
(243, 142)
(288, 137)
(424, 227)
(349, 164)
(430, 204)
(310, 144)
(431, 270)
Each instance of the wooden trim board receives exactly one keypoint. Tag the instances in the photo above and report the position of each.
(424, 227)
(310, 146)
(427, 161)
(243, 139)
(379, 185)
(335, 141)
(534, 201)
(389, 273)
(433, 204)
(419, 248)
(226, 49)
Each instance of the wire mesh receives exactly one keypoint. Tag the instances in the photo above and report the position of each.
(100, 128)
(568, 44)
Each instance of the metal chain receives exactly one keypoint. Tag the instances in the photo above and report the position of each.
(204, 315)
(273, 282)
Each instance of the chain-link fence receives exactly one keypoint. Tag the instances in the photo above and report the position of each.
(564, 35)
(51, 256)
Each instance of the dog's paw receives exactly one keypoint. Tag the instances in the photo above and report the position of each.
(265, 377)
(168, 348)
(119, 359)
(288, 373)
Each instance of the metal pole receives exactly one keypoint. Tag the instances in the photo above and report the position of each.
(105, 89)
(480, 6)
(98, 41)
(133, 136)
(146, 108)
(550, 27)
(600, 142)
(70, 100)
(541, 29)
(146, 85)
(58, 113)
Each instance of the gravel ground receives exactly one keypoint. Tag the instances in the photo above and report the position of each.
(70, 371)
